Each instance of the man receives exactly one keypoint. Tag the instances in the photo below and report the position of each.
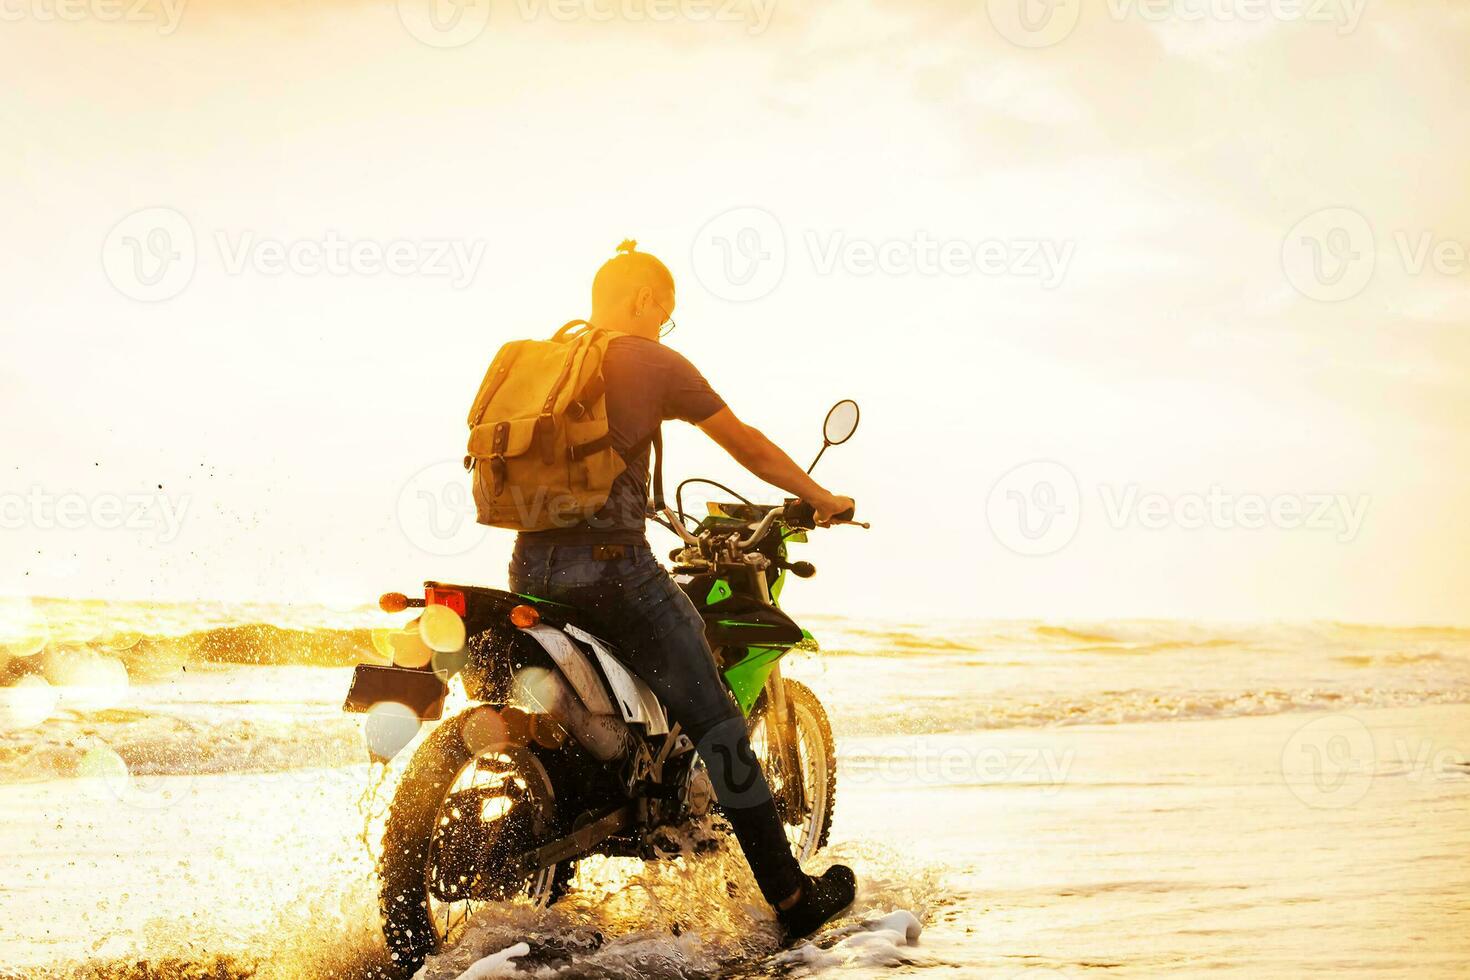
(605, 566)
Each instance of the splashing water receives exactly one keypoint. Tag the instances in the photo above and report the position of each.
(373, 812)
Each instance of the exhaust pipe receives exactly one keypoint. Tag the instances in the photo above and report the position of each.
(547, 692)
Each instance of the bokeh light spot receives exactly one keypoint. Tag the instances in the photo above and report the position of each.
(27, 703)
(483, 730)
(409, 649)
(24, 631)
(390, 727)
(441, 629)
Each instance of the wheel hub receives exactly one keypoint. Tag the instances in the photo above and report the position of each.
(475, 851)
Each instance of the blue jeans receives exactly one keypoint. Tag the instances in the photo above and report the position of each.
(632, 603)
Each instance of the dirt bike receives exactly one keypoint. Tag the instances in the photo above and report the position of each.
(567, 753)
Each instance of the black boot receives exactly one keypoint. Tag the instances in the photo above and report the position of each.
(822, 899)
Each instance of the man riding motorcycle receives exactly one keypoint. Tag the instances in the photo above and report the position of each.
(605, 567)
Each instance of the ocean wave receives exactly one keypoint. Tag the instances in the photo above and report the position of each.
(958, 715)
(1073, 635)
(152, 658)
(1452, 633)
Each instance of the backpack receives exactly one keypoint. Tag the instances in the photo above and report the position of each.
(540, 455)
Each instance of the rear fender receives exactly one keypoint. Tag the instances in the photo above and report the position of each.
(602, 682)
(636, 700)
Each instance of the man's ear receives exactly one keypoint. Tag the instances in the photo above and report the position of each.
(642, 299)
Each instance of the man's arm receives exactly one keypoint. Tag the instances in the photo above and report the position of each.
(752, 450)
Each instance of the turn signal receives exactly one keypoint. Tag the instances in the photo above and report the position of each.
(524, 617)
(392, 602)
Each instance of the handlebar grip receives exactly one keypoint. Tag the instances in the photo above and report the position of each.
(801, 514)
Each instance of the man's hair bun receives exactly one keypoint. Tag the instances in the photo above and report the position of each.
(627, 272)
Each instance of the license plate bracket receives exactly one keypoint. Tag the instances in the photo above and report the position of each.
(422, 691)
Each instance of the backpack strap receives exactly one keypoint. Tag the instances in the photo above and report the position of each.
(567, 328)
(658, 469)
(583, 401)
(545, 423)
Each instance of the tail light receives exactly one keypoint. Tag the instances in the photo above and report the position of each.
(450, 598)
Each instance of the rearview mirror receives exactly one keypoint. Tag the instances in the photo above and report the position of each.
(841, 423)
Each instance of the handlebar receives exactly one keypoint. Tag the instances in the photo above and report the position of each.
(762, 527)
(797, 514)
(673, 522)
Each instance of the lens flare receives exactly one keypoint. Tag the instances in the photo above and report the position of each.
(383, 643)
(24, 630)
(109, 778)
(483, 730)
(409, 649)
(390, 727)
(441, 629)
(27, 703)
(533, 689)
(86, 679)
(104, 767)
(120, 642)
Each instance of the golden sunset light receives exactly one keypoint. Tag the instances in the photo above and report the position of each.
(1126, 600)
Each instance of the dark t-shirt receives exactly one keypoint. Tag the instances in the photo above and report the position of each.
(647, 383)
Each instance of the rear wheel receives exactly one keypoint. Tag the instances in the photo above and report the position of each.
(804, 782)
(456, 825)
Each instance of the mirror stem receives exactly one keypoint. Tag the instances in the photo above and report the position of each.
(825, 444)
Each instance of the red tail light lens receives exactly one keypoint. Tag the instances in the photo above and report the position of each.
(450, 598)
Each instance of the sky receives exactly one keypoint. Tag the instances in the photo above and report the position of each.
(1153, 310)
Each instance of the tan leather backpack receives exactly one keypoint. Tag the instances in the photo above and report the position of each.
(540, 455)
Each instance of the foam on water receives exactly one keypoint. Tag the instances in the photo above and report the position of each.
(693, 916)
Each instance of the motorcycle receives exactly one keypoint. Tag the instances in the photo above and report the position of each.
(565, 752)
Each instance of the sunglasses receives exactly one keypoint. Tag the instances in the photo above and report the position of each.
(668, 324)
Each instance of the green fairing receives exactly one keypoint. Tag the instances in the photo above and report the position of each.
(748, 676)
(720, 590)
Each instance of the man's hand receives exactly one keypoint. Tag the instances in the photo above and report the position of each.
(829, 506)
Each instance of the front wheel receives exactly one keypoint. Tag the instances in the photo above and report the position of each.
(457, 822)
(804, 782)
